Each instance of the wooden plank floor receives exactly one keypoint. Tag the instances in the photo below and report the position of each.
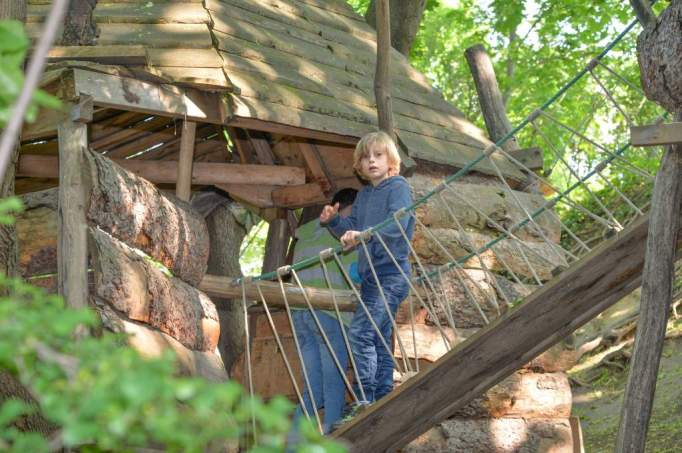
(599, 280)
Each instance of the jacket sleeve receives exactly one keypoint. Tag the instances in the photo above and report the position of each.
(400, 197)
(339, 225)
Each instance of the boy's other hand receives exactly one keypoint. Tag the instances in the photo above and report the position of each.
(328, 213)
(349, 239)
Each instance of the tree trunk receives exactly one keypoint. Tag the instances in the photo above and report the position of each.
(13, 9)
(406, 15)
(382, 75)
(139, 290)
(134, 211)
(80, 28)
(226, 235)
(10, 9)
(659, 48)
(489, 96)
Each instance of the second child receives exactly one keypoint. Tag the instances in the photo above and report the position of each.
(376, 160)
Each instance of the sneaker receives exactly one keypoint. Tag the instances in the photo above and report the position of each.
(350, 412)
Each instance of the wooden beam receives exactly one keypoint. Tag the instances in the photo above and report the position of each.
(489, 96)
(207, 173)
(599, 280)
(72, 247)
(656, 134)
(259, 196)
(301, 196)
(261, 146)
(284, 129)
(82, 111)
(315, 165)
(118, 55)
(242, 144)
(226, 287)
(159, 99)
(656, 299)
(183, 188)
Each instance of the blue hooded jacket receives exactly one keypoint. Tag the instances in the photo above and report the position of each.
(372, 206)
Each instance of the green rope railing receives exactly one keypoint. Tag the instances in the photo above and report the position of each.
(470, 165)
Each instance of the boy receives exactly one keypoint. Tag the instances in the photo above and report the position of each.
(376, 159)
(326, 382)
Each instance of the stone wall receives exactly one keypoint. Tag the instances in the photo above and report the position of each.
(530, 411)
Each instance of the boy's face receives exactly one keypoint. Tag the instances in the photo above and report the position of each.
(374, 165)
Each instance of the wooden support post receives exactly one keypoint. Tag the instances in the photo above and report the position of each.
(276, 244)
(382, 75)
(489, 96)
(657, 283)
(72, 249)
(183, 187)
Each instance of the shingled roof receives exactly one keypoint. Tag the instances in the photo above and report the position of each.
(301, 63)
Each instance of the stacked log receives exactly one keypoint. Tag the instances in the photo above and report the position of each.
(135, 231)
(530, 411)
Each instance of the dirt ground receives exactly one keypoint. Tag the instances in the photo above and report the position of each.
(598, 404)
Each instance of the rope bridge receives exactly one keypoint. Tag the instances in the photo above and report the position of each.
(535, 250)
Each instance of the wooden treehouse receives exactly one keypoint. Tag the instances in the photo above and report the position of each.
(184, 107)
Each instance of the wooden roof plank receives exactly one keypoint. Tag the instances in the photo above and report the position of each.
(135, 13)
(257, 57)
(243, 25)
(455, 154)
(278, 113)
(289, 23)
(156, 35)
(135, 95)
(183, 58)
(252, 86)
(338, 6)
(325, 17)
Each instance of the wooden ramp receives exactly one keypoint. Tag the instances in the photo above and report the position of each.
(599, 280)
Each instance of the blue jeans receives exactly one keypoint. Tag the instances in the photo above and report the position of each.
(326, 382)
(374, 363)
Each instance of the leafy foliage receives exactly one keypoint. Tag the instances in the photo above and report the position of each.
(101, 395)
(13, 46)
(536, 47)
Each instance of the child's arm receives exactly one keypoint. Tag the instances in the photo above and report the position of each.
(335, 223)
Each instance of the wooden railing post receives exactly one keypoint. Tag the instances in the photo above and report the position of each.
(72, 249)
(657, 285)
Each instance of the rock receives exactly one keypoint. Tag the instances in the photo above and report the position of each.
(493, 201)
(429, 341)
(501, 435)
(523, 395)
(543, 258)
